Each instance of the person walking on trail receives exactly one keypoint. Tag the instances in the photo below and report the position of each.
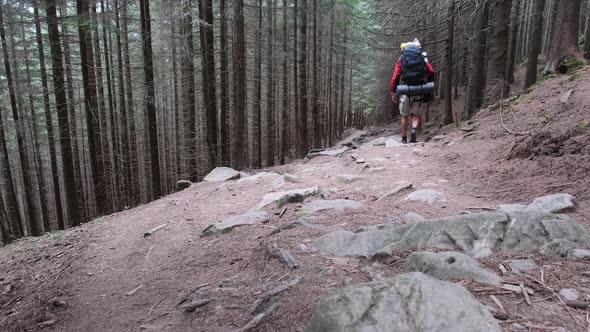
(414, 69)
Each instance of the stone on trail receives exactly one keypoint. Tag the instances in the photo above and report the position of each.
(371, 228)
(260, 176)
(392, 143)
(291, 196)
(221, 174)
(547, 204)
(569, 294)
(470, 234)
(248, 218)
(558, 248)
(183, 184)
(378, 141)
(519, 266)
(348, 179)
(407, 302)
(412, 217)
(334, 153)
(426, 196)
(554, 203)
(565, 98)
(315, 207)
(450, 266)
(579, 254)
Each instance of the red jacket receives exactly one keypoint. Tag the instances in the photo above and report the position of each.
(397, 74)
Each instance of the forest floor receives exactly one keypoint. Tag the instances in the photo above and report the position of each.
(106, 276)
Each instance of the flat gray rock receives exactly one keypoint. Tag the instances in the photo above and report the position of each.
(450, 266)
(371, 228)
(262, 176)
(519, 266)
(407, 302)
(579, 254)
(392, 143)
(334, 152)
(348, 179)
(315, 207)
(221, 174)
(569, 294)
(413, 217)
(554, 203)
(378, 141)
(470, 234)
(248, 218)
(291, 196)
(426, 196)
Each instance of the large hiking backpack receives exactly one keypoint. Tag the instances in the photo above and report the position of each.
(413, 66)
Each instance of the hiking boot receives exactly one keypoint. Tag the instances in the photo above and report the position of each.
(404, 140)
(413, 138)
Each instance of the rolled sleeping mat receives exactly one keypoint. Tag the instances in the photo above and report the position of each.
(416, 90)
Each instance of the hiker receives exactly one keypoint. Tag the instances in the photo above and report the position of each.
(414, 69)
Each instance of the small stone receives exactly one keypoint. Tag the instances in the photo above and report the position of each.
(412, 217)
(554, 203)
(348, 179)
(183, 184)
(565, 98)
(579, 254)
(48, 323)
(519, 266)
(483, 253)
(303, 247)
(519, 327)
(90, 274)
(221, 174)
(569, 294)
(426, 196)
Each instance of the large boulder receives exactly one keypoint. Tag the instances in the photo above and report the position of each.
(314, 207)
(470, 234)
(554, 203)
(450, 266)
(221, 174)
(284, 197)
(407, 302)
(248, 218)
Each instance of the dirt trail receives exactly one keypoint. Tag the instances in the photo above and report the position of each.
(83, 279)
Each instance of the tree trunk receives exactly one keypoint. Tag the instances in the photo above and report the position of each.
(188, 94)
(35, 221)
(42, 195)
(317, 141)
(449, 65)
(565, 47)
(513, 41)
(146, 37)
(303, 146)
(284, 126)
(270, 89)
(239, 85)
(48, 120)
(225, 157)
(209, 94)
(256, 118)
(534, 44)
(587, 33)
(477, 76)
(91, 103)
(498, 62)
(62, 113)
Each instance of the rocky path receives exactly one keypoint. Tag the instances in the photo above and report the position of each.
(336, 242)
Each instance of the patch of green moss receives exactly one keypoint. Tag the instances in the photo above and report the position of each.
(548, 77)
(573, 65)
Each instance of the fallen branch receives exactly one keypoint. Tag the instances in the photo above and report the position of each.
(133, 291)
(283, 212)
(497, 302)
(261, 304)
(153, 230)
(395, 191)
(281, 254)
(525, 293)
(259, 319)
